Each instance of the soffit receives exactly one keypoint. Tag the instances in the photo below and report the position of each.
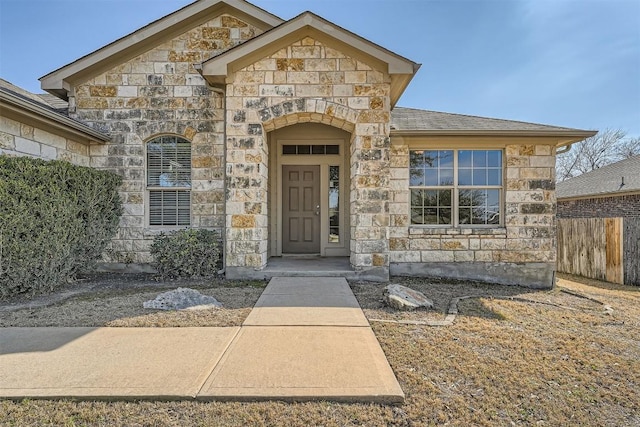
(61, 81)
(217, 69)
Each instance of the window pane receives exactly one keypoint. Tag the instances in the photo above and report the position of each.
(464, 177)
(304, 149)
(445, 159)
(288, 149)
(495, 177)
(431, 177)
(444, 198)
(430, 198)
(464, 159)
(446, 177)
(416, 216)
(416, 177)
(445, 216)
(430, 216)
(479, 177)
(479, 159)
(333, 149)
(494, 159)
(317, 149)
(334, 204)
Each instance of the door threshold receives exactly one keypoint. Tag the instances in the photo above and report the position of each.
(301, 256)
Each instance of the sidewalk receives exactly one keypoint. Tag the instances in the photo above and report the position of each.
(306, 339)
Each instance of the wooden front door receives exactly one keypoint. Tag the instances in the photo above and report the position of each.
(300, 209)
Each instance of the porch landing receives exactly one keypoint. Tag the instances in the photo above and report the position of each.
(309, 266)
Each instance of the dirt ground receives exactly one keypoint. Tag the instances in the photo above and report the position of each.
(513, 356)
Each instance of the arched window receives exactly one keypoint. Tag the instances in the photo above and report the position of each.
(169, 181)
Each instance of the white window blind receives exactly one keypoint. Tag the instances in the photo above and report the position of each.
(169, 181)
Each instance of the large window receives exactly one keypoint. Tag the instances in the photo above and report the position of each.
(456, 187)
(169, 181)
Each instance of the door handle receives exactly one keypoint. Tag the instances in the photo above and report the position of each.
(317, 212)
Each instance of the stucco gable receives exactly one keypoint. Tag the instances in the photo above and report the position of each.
(219, 70)
(61, 81)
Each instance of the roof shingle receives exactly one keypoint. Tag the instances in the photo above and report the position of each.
(620, 177)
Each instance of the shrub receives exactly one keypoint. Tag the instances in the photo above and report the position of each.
(55, 220)
(187, 253)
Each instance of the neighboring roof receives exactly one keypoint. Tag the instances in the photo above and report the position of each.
(60, 81)
(409, 121)
(308, 24)
(617, 178)
(17, 102)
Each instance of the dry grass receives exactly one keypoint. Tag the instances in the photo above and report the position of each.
(562, 361)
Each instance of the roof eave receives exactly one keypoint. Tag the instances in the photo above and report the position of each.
(565, 137)
(60, 81)
(21, 107)
(598, 195)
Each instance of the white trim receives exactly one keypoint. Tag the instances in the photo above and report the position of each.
(324, 161)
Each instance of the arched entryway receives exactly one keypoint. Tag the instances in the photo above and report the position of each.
(309, 190)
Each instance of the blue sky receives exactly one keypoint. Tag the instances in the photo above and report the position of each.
(573, 63)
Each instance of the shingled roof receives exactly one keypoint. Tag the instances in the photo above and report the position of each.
(406, 120)
(16, 101)
(617, 178)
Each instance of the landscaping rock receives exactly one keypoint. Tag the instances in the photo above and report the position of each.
(406, 299)
(182, 299)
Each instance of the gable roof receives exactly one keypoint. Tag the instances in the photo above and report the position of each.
(60, 81)
(21, 104)
(617, 178)
(410, 121)
(215, 70)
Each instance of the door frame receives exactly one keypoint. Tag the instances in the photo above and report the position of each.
(324, 161)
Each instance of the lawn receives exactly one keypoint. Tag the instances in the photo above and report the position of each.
(513, 356)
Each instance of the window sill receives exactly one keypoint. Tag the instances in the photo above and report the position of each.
(415, 230)
(156, 230)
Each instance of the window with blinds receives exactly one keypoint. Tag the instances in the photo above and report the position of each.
(169, 181)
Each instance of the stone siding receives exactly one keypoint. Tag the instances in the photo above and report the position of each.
(528, 234)
(22, 139)
(626, 206)
(160, 93)
(307, 81)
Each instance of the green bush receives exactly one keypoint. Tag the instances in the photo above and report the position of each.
(55, 220)
(187, 253)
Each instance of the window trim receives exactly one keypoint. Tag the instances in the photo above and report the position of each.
(455, 187)
(148, 189)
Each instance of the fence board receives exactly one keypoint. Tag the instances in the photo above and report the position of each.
(632, 251)
(582, 247)
(614, 250)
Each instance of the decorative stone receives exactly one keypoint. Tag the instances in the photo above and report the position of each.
(182, 299)
(406, 299)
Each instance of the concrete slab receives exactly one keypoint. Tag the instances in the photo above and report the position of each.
(288, 301)
(319, 286)
(309, 363)
(104, 363)
(305, 310)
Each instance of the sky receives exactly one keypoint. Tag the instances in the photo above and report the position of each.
(573, 63)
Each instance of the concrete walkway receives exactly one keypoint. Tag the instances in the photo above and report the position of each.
(306, 339)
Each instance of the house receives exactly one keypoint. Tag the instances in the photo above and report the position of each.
(286, 137)
(607, 192)
(599, 223)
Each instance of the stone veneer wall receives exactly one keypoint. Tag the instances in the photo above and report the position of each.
(307, 82)
(521, 252)
(626, 206)
(22, 139)
(160, 93)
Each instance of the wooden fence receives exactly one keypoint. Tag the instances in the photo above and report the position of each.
(600, 248)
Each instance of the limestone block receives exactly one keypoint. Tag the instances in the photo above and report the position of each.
(463, 256)
(127, 91)
(48, 152)
(404, 256)
(7, 141)
(50, 139)
(27, 146)
(437, 256)
(404, 298)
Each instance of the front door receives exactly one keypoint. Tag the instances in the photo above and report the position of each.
(301, 209)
